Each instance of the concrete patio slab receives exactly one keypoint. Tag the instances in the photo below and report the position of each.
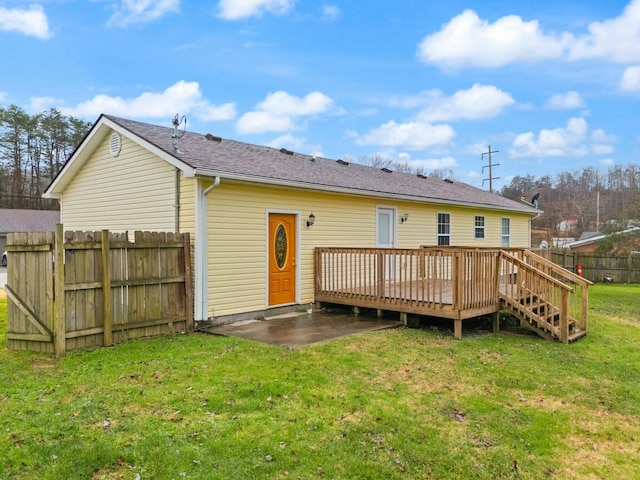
(297, 329)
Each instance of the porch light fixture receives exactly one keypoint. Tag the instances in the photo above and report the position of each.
(404, 218)
(311, 221)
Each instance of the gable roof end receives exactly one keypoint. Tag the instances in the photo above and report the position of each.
(103, 127)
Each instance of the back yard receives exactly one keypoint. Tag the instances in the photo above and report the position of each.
(391, 404)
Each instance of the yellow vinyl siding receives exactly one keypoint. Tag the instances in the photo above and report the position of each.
(133, 191)
(237, 232)
(188, 206)
(421, 226)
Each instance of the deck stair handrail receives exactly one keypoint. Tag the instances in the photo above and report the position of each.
(530, 289)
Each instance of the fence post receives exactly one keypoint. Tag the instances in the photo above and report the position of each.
(106, 290)
(188, 286)
(60, 308)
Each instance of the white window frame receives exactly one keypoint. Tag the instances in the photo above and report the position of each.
(479, 230)
(443, 234)
(505, 232)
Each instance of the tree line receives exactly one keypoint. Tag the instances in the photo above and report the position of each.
(588, 198)
(33, 149)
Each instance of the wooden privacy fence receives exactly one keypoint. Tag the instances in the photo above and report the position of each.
(595, 267)
(70, 290)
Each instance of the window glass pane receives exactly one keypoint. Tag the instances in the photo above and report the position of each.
(479, 226)
(444, 229)
(384, 230)
(506, 231)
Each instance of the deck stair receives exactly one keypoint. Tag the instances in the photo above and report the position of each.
(547, 299)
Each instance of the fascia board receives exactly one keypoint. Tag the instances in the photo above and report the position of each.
(353, 191)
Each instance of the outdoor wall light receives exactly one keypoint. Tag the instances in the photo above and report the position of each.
(311, 221)
(404, 218)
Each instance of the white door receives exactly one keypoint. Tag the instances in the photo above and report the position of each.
(386, 238)
(386, 228)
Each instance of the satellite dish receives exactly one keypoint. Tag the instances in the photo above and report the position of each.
(534, 200)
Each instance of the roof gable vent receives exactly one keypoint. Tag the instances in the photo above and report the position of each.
(115, 144)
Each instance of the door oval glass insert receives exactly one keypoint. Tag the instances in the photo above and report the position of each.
(280, 246)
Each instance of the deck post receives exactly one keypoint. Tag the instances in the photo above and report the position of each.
(403, 318)
(379, 313)
(356, 311)
(496, 322)
(457, 328)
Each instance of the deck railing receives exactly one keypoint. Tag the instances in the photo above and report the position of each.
(456, 283)
(450, 282)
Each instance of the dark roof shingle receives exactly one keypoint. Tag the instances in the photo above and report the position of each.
(215, 156)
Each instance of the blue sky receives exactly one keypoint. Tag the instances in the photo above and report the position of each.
(551, 85)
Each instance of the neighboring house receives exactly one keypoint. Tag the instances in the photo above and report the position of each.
(256, 213)
(17, 220)
(588, 242)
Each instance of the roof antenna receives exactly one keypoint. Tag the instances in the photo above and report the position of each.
(177, 135)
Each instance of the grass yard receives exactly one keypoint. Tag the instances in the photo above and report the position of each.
(395, 404)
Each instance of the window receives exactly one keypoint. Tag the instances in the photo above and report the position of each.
(479, 227)
(506, 232)
(444, 229)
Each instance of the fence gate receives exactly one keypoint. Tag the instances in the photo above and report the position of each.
(70, 290)
(30, 291)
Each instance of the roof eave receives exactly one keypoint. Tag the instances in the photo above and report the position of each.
(353, 191)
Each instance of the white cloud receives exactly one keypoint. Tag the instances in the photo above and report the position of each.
(297, 144)
(565, 101)
(607, 162)
(433, 163)
(478, 102)
(630, 81)
(3, 96)
(183, 97)
(469, 41)
(330, 13)
(573, 140)
(40, 104)
(141, 11)
(280, 110)
(614, 40)
(411, 135)
(238, 9)
(32, 22)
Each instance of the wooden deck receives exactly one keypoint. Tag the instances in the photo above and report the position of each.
(455, 283)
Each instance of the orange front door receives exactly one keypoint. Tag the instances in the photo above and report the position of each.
(282, 258)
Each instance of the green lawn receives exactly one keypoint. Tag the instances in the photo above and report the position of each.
(395, 404)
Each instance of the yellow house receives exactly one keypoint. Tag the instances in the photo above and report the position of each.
(256, 214)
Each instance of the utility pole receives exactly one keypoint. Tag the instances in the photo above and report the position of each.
(490, 165)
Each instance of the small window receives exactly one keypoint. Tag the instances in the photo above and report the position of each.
(479, 227)
(444, 229)
(506, 232)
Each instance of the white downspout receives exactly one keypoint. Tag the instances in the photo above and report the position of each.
(201, 260)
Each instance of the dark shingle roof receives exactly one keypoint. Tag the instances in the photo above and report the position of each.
(211, 155)
(15, 220)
